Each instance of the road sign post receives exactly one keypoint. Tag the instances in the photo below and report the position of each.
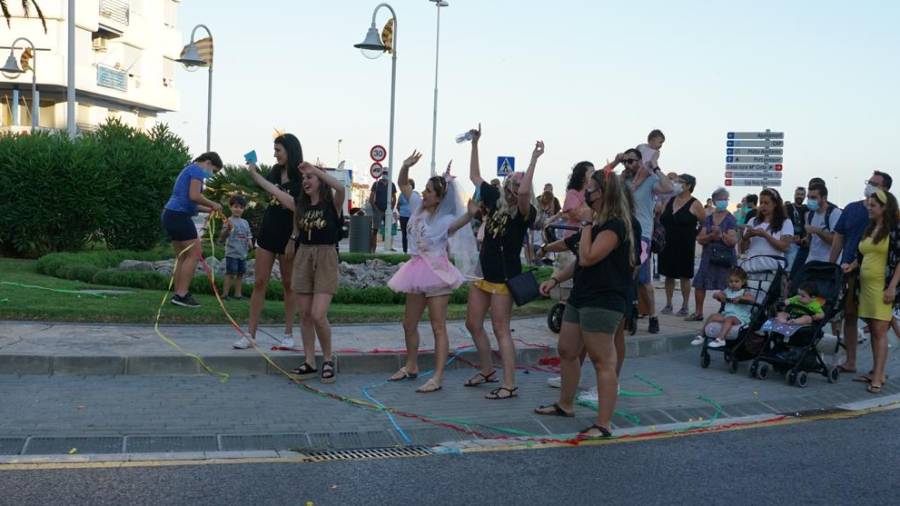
(506, 165)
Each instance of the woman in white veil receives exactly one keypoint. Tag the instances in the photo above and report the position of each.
(436, 230)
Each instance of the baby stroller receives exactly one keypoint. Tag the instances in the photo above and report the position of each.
(744, 343)
(795, 353)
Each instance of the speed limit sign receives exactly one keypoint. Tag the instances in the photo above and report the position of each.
(376, 170)
(378, 153)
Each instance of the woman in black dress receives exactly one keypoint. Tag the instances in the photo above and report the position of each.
(274, 238)
(676, 261)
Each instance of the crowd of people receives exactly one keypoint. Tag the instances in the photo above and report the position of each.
(604, 237)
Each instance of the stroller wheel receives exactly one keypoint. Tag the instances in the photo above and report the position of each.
(834, 374)
(554, 318)
(704, 359)
(733, 365)
(763, 371)
(790, 378)
(801, 379)
(754, 367)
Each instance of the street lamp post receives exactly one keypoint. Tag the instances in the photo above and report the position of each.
(437, 54)
(372, 47)
(12, 67)
(192, 58)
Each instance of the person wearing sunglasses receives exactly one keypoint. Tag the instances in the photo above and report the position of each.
(645, 181)
(844, 248)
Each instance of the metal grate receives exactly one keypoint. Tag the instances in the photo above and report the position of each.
(115, 10)
(368, 453)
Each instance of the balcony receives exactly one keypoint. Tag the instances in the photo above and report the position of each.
(114, 16)
(109, 77)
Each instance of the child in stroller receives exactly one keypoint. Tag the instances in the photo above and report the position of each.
(803, 308)
(737, 303)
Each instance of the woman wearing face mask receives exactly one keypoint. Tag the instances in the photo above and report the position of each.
(718, 236)
(676, 261)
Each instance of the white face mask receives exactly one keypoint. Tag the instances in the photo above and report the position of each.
(678, 187)
(870, 190)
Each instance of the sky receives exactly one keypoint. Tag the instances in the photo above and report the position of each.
(589, 78)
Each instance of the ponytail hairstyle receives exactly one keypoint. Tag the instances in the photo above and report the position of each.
(615, 205)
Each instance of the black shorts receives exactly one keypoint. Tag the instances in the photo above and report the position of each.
(178, 225)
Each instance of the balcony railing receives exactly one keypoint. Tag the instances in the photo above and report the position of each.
(115, 10)
(109, 77)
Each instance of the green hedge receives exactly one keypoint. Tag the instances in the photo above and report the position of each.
(58, 194)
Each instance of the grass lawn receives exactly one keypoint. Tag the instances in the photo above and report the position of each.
(139, 306)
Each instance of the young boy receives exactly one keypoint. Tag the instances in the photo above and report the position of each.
(803, 308)
(238, 244)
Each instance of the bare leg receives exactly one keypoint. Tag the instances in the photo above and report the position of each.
(727, 324)
(570, 346)
(651, 299)
(670, 290)
(699, 300)
(319, 315)
(187, 264)
(685, 293)
(290, 305)
(307, 327)
(265, 259)
(501, 309)
(415, 306)
(477, 307)
(603, 354)
(437, 313)
(226, 285)
(619, 342)
(238, 286)
(879, 331)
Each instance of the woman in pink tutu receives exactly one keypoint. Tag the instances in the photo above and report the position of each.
(436, 224)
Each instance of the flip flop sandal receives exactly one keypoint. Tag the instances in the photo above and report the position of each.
(495, 393)
(873, 389)
(305, 371)
(406, 375)
(328, 375)
(474, 381)
(694, 318)
(844, 370)
(429, 387)
(865, 378)
(557, 411)
(604, 432)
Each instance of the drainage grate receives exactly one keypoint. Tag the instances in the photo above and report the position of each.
(368, 453)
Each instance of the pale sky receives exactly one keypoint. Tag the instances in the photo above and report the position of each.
(590, 78)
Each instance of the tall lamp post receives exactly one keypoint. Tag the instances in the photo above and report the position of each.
(372, 47)
(12, 67)
(192, 58)
(437, 54)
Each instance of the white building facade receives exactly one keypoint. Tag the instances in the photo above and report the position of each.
(125, 53)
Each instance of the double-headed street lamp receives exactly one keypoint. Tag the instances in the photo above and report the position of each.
(192, 58)
(12, 67)
(437, 54)
(372, 47)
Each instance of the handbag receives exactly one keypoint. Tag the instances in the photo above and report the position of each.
(720, 255)
(523, 287)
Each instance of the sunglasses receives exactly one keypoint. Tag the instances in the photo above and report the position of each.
(629, 161)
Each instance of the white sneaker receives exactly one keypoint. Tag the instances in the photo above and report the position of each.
(589, 395)
(243, 343)
(554, 382)
(698, 340)
(717, 344)
(287, 342)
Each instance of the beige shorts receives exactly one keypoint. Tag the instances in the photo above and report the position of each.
(315, 269)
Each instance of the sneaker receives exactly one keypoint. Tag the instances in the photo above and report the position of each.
(717, 343)
(666, 310)
(653, 328)
(186, 301)
(589, 395)
(698, 340)
(287, 342)
(243, 343)
(226, 298)
(554, 382)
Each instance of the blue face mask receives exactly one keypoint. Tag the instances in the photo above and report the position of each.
(721, 205)
(812, 205)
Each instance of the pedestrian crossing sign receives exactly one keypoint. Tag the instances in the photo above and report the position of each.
(506, 165)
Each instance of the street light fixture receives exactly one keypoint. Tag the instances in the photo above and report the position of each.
(437, 54)
(12, 67)
(192, 58)
(372, 47)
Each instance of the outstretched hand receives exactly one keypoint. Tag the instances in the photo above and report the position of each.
(476, 134)
(538, 150)
(412, 159)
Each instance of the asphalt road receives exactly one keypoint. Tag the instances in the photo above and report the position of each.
(855, 461)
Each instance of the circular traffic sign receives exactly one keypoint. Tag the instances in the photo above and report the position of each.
(376, 170)
(378, 153)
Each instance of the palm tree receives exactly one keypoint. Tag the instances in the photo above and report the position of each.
(26, 6)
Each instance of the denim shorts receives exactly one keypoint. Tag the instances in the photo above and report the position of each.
(235, 266)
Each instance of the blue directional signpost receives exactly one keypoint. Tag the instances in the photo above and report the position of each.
(754, 158)
(506, 165)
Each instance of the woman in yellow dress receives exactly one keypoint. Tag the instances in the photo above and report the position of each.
(879, 257)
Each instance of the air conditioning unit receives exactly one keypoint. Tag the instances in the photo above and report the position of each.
(99, 44)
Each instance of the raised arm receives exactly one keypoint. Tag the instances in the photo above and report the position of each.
(524, 197)
(283, 197)
(471, 210)
(403, 177)
(474, 165)
(340, 193)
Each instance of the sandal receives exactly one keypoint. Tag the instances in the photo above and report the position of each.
(873, 389)
(404, 375)
(495, 393)
(328, 372)
(481, 379)
(557, 411)
(666, 310)
(604, 432)
(429, 387)
(694, 318)
(305, 371)
(867, 377)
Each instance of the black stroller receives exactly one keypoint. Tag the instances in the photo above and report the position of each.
(767, 290)
(797, 354)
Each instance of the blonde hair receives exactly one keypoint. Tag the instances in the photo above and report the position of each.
(503, 205)
(615, 205)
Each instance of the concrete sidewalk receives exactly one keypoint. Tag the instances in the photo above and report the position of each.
(124, 349)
